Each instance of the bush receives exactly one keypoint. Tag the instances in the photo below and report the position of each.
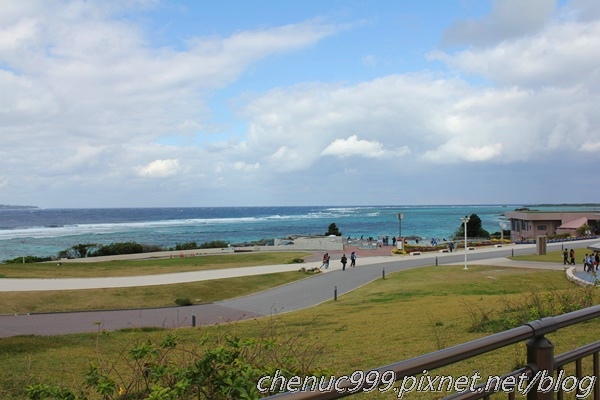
(218, 368)
(296, 261)
(28, 260)
(186, 246)
(528, 307)
(184, 301)
(215, 244)
(115, 249)
(150, 248)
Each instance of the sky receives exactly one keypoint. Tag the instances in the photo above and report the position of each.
(150, 103)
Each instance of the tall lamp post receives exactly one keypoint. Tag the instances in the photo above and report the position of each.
(400, 218)
(503, 226)
(465, 220)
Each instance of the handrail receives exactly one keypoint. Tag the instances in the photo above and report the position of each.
(456, 353)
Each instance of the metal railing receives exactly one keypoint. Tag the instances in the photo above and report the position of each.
(540, 357)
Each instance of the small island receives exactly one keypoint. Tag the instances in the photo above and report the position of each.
(11, 207)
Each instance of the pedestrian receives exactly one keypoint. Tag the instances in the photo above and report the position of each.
(572, 256)
(565, 255)
(325, 261)
(344, 260)
(353, 259)
(597, 260)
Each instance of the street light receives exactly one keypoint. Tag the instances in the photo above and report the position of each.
(465, 220)
(503, 226)
(400, 218)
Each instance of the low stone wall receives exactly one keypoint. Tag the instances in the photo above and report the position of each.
(300, 244)
(320, 243)
(575, 279)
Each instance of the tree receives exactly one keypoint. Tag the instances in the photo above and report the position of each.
(474, 228)
(333, 230)
(80, 250)
(114, 249)
(583, 230)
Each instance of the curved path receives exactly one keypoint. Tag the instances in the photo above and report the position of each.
(290, 297)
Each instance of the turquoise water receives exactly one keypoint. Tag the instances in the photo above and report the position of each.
(45, 232)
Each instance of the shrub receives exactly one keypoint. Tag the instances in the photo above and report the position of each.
(28, 260)
(185, 301)
(529, 307)
(296, 261)
(218, 368)
(215, 244)
(114, 249)
(186, 246)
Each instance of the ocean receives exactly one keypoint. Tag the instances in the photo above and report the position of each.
(44, 232)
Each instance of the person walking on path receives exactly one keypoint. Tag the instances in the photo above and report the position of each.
(565, 255)
(325, 261)
(344, 260)
(353, 259)
(572, 256)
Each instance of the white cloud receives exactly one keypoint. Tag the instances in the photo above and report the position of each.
(242, 166)
(454, 152)
(591, 147)
(159, 169)
(509, 19)
(88, 100)
(564, 54)
(352, 146)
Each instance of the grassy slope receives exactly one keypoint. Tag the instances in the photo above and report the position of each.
(140, 297)
(408, 314)
(145, 267)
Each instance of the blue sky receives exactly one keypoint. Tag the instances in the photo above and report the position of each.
(240, 103)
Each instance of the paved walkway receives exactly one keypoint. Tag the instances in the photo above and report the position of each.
(291, 297)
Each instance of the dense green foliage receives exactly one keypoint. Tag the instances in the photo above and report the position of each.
(27, 260)
(115, 249)
(474, 228)
(223, 368)
(529, 307)
(215, 244)
(186, 246)
(78, 251)
(333, 230)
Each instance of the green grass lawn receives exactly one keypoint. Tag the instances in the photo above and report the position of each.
(141, 297)
(146, 296)
(146, 266)
(408, 314)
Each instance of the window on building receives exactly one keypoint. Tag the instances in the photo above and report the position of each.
(541, 228)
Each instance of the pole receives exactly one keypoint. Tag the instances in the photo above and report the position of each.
(465, 245)
(335, 293)
(23, 243)
(465, 220)
(400, 217)
(193, 318)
